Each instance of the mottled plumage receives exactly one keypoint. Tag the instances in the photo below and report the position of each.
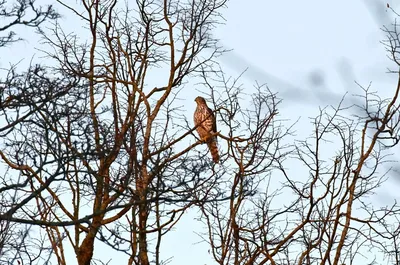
(206, 124)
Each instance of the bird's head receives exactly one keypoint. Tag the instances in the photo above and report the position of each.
(200, 100)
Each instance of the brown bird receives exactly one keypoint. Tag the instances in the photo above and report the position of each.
(205, 121)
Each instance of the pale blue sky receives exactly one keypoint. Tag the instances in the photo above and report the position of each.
(286, 44)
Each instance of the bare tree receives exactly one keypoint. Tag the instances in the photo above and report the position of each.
(103, 148)
(105, 153)
(320, 214)
(16, 241)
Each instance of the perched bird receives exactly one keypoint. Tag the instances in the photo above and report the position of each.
(206, 126)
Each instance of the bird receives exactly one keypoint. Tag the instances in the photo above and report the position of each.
(206, 126)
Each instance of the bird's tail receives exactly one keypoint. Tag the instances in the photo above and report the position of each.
(212, 146)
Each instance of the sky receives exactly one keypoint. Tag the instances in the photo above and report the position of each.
(310, 52)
